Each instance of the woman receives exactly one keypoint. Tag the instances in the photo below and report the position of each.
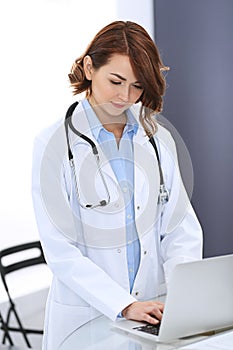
(108, 237)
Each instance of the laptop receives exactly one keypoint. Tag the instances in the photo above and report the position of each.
(199, 300)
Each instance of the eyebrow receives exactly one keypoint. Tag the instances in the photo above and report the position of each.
(122, 78)
(118, 76)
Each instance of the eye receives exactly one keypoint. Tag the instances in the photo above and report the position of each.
(139, 87)
(115, 82)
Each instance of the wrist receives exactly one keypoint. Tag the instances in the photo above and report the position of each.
(124, 311)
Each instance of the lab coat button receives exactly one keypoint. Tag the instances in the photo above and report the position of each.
(138, 207)
(136, 293)
(124, 189)
(118, 250)
(145, 252)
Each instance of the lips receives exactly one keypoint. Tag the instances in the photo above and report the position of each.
(118, 105)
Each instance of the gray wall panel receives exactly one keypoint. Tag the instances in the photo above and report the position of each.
(195, 39)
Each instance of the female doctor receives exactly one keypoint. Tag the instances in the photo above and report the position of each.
(113, 216)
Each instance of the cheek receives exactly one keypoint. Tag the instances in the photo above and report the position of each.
(104, 92)
(136, 95)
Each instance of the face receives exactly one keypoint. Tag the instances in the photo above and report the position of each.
(114, 86)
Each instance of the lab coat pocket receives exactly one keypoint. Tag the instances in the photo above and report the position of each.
(63, 320)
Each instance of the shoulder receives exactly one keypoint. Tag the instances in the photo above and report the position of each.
(164, 135)
(166, 146)
(58, 127)
(166, 140)
(47, 133)
(50, 141)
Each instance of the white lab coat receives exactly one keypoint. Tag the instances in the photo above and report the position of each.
(85, 249)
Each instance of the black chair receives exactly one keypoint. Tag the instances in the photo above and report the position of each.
(5, 330)
(9, 268)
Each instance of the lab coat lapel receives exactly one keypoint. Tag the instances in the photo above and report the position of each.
(146, 182)
(142, 155)
(141, 144)
(81, 123)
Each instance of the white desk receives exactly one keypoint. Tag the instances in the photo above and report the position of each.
(221, 341)
(99, 335)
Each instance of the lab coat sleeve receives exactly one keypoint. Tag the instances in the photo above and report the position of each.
(62, 254)
(181, 233)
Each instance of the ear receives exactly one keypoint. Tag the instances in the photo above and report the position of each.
(88, 67)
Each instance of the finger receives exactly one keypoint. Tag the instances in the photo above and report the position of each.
(160, 308)
(159, 304)
(150, 319)
(158, 314)
(155, 311)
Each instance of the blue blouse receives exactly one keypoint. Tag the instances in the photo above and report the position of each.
(121, 159)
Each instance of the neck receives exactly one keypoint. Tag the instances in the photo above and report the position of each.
(111, 123)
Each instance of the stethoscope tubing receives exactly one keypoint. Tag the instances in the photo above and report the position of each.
(163, 195)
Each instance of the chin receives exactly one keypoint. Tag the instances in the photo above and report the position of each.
(114, 111)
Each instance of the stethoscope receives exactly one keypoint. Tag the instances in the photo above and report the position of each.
(163, 192)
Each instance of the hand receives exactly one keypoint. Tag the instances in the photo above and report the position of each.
(148, 311)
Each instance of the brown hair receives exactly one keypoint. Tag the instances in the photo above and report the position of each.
(127, 38)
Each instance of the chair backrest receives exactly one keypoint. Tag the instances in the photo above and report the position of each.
(23, 261)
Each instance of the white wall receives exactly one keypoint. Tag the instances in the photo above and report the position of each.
(140, 11)
(40, 40)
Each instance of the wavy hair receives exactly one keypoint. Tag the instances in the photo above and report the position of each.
(131, 39)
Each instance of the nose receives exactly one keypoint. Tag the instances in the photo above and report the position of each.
(124, 93)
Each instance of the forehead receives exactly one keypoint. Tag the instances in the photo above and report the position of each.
(119, 64)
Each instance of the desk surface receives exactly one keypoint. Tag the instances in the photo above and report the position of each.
(98, 334)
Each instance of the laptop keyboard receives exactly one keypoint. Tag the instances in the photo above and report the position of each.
(149, 328)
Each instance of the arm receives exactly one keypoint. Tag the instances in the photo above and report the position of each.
(181, 233)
